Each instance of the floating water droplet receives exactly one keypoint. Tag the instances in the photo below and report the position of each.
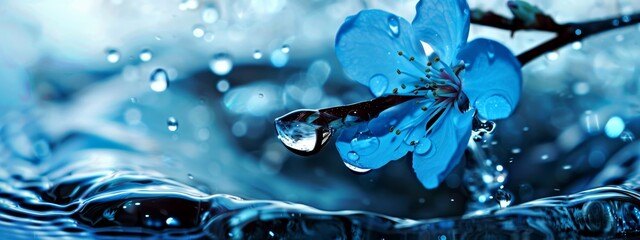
(577, 45)
(378, 84)
(354, 168)
(221, 64)
(145, 55)
(113, 56)
(614, 127)
(581, 88)
(499, 168)
(365, 144)
(261, 95)
(626, 18)
(285, 49)
(210, 15)
(544, 156)
(394, 26)
(578, 32)
(172, 222)
(209, 37)
(257, 54)
(444, 237)
(172, 124)
(301, 137)
(423, 146)
(159, 80)
(223, 85)
(503, 198)
(566, 167)
(198, 31)
(516, 150)
(278, 58)
(552, 56)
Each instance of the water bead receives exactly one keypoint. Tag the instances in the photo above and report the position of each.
(145, 55)
(113, 56)
(172, 124)
(221, 64)
(159, 80)
(394, 26)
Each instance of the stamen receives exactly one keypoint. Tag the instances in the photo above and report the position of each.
(423, 108)
(391, 129)
(399, 53)
(398, 71)
(403, 86)
(395, 91)
(398, 132)
(411, 59)
(413, 143)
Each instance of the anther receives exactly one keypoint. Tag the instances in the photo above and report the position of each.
(398, 132)
(391, 129)
(436, 59)
(403, 86)
(428, 70)
(400, 53)
(423, 108)
(413, 143)
(398, 71)
(441, 69)
(411, 59)
(395, 91)
(415, 92)
(429, 63)
(416, 85)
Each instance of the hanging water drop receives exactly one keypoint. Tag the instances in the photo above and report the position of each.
(394, 26)
(356, 169)
(297, 132)
(172, 124)
(159, 80)
(378, 84)
(145, 55)
(113, 56)
(503, 198)
(221, 64)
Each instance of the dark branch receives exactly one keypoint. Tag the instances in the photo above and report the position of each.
(565, 33)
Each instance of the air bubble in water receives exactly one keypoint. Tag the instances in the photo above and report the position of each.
(145, 55)
(354, 168)
(221, 64)
(172, 124)
(503, 198)
(159, 80)
(113, 56)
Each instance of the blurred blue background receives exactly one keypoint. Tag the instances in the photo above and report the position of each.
(234, 66)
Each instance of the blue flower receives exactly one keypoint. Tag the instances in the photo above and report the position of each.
(449, 84)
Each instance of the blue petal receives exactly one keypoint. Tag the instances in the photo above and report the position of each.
(443, 24)
(436, 155)
(492, 80)
(367, 46)
(372, 145)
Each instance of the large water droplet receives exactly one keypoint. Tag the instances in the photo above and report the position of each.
(221, 64)
(172, 124)
(378, 84)
(145, 55)
(598, 217)
(503, 198)
(159, 81)
(365, 144)
(300, 136)
(394, 26)
(494, 107)
(423, 146)
(354, 168)
(113, 56)
(210, 15)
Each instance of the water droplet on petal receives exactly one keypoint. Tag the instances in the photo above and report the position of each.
(491, 52)
(172, 124)
(354, 168)
(378, 84)
(159, 81)
(221, 64)
(145, 55)
(113, 56)
(493, 107)
(394, 26)
(423, 146)
(365, 144)
(257, 54)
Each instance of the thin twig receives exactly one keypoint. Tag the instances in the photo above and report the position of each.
(566, 33)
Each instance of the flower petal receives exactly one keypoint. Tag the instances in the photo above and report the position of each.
(367, 46)
(436, 155)
(443, 24)
(373, 144)
(493, 78)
